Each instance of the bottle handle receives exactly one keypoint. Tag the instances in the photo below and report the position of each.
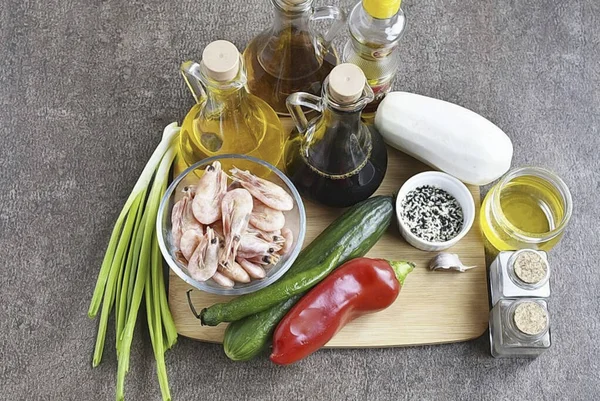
(190, 71)
(333, 13)
(294, 104)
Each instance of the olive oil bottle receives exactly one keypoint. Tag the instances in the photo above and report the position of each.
(335, 159)
(226, 118)
(290, 57)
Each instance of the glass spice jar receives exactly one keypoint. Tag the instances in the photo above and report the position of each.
(523, 273)
(528, 208)
(519, 328)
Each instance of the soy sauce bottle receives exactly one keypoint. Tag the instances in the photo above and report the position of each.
(335, 159)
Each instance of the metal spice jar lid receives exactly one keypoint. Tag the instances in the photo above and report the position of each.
(529, 267)
(530, 318)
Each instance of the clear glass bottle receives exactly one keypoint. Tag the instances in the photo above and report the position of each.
(291, 56)
(506, 283)
(226, 118)
(519, 328)
(528, 208)
(376, 27)
(335, 158)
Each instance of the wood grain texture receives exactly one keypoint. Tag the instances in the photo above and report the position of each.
(433, 307)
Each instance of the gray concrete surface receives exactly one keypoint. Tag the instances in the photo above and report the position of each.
(85, 89)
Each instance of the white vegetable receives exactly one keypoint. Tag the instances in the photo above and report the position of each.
(446, 136)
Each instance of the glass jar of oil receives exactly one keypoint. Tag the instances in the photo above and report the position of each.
(291, 56)
(528, 208)
(226, 118)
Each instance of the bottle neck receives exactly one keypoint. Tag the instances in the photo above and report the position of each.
(218, 100)
(348, 121)
(295, 18)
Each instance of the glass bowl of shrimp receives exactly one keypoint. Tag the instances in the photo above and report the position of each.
(231, 224)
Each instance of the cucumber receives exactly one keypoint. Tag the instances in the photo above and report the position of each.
(249, 304)
(355, 232)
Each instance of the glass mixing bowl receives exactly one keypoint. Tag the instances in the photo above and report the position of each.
(295, 220)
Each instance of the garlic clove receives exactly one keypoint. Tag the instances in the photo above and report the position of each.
(448, 261)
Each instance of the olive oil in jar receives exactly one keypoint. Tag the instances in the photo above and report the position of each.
(227, 119)
(528, 208)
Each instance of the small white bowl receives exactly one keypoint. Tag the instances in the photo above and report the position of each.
(449, 184)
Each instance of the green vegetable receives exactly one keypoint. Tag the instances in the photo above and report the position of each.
(241, 344)
(132, 268)
(260, 300)
(355, 231)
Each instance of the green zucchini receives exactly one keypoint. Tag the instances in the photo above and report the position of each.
(260, 300)
(355, 232)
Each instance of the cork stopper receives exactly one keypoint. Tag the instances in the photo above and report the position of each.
(221, 60)
(346, 83)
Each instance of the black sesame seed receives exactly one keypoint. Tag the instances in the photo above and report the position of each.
(432, 214)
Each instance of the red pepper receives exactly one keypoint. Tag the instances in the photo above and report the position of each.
(358, 287)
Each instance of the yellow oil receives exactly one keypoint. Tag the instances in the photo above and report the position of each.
(226, 123)
(531, 205)
(286, 63)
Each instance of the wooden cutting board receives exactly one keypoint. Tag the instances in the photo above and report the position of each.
(433, 307)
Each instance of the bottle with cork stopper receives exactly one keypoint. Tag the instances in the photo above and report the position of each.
(335, 158)
(226, 118)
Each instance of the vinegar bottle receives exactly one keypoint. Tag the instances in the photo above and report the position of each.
(226, 118)
(290, 56)
(376, 27)
(335, 159)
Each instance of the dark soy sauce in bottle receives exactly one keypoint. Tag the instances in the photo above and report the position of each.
(336, 159)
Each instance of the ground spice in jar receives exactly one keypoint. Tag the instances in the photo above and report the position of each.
(530, 267)
(432, 214)
(530, 318)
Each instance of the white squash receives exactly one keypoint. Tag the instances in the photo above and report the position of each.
(445, 136)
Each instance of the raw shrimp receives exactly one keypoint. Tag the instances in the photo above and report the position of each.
(289, 240)
(223, 280)
(251, 245)
(204, 261)
(236, 208)
(254, 270)
(265, 191)
(189, 242)
(273, 236)
(264, 261)
(231, 269)
(182, 218)
(176, 217)
(209, 191)
(266, 218)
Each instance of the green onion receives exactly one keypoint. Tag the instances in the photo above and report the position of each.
(132, 268)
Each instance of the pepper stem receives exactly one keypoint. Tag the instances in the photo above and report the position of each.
(401, 268)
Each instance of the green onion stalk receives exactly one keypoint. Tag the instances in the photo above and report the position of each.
(132, 269)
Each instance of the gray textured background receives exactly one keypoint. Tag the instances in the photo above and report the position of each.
(85, 89)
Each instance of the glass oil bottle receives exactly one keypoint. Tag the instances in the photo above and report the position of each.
(376, 27)
(226, 118)
(335, 158)
(290, 56)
